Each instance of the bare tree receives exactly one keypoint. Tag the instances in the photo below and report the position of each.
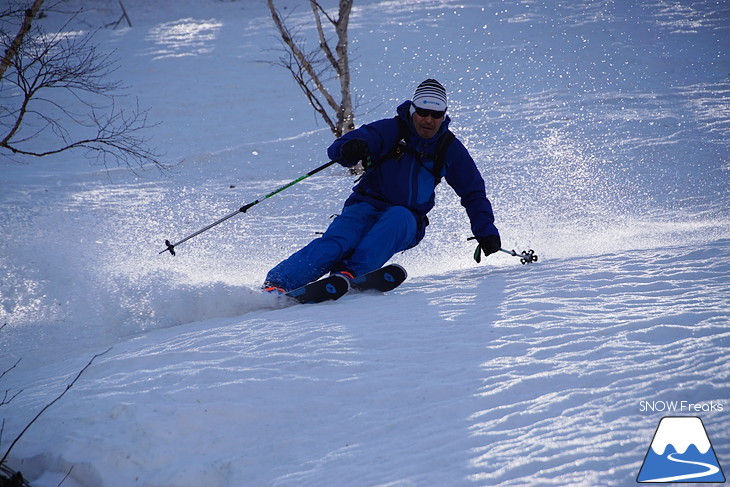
(313, 69)
(37, 115)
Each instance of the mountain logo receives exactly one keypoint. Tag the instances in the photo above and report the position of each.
(680, 452)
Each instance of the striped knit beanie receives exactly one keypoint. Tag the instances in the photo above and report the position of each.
(431, 95)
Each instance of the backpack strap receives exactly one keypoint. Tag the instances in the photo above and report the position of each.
(439, 157)
(401, 143)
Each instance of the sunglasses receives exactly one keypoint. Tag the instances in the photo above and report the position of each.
(424, 112)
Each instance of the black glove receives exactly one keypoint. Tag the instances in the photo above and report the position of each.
(488, 244)
(356, 150)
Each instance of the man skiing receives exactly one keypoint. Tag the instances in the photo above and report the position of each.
(404, 160)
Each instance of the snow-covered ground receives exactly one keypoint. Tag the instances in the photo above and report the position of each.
(603, 133)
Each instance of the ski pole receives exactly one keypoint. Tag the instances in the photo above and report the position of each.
(526, 256)
(171, 246)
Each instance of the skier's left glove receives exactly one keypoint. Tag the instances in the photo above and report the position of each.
(488, 244)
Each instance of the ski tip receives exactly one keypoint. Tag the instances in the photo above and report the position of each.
(405, 273)
(383, 279)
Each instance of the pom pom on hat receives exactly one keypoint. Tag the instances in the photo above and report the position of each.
(431, 95)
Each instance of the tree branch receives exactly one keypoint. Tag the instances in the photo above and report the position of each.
(35, 418)
(12, 51)
(322, 40)
(69, 64)
(5, 400)
(304, 66)
(299, 55)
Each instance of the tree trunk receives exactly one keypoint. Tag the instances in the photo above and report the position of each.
(346, 117)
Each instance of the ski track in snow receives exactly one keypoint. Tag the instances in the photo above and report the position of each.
(516, 376)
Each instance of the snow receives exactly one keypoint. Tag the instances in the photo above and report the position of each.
(602, 130)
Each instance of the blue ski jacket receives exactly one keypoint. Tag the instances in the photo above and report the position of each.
(408, 181)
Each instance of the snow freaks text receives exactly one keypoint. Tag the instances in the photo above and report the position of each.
(680, 406)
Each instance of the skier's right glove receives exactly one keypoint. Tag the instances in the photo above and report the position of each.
(354, 151)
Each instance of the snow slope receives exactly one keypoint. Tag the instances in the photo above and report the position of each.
(602, 131)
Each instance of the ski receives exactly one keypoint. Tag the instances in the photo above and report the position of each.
(327, 289)
(384, 279)
(334, 287)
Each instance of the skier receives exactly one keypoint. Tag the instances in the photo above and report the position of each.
(404, 160)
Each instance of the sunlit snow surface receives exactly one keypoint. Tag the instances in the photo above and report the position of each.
(602, 130)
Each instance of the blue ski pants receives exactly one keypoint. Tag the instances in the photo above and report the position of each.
(361, 239)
